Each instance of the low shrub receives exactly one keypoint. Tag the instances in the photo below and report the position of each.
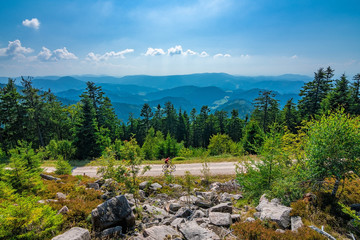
(266, 231)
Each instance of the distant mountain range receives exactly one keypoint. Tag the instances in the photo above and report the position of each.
(219, 91)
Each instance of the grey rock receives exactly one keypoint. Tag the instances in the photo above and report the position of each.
(220, 219)
(257, 215)
(63, 210)
(197, 214)
(175, 186)
(110, 233)
(192, 231)
(60, 196)
(172, 207)
(155, 186)
(143, 185)
(93, 186)
(296, 223)
(226, 197)
(142, 195)
(249, 219)
(274, 211)
(100, 181)
(203, 203)
(183, 213)
(74, 233)
(280, 231)
(188, 199)
(177, 222)
(155, 211)
(222, 207)
(114, 212)
(235, 218)
(49, 177)
(160, 232)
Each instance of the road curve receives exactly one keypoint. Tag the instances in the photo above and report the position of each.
(223, 168)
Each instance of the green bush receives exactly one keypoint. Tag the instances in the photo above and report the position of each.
(220, 144)
(63, 167)
(26, 219)
(178, 159)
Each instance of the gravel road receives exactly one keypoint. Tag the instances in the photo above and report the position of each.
(224, 168)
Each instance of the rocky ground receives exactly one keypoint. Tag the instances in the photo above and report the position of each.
(184, 215)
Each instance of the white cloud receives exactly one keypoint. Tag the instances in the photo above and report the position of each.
(204, 54)
(33, 23)
(190, 52)
(14, 49)
(154, 52)
(177, 50)
(220, 55)
(97, 57)
(294, 57)
(58, 54)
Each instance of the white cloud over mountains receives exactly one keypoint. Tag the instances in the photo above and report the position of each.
(56, 55)
(33, 23)
(220, 55)
(173, 51)
(97, 57)
(15, 50)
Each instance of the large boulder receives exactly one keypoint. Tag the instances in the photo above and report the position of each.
(274, 211)
(296, 223)
(192, 231)
(74, 233)
(114, 212)
(160, 232)
(222, 207)
(220, 219)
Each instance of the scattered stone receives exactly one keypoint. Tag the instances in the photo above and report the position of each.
(111, 233)
(114, 212)
(49, 177)
(222, 207)
(203, 204)
(249, 219)
(172, 207)
(160, 232)
(183, 213)
(74, 233)
(296, 223)
(155, 186)
(93, 186)
(155, 211)
(235, 218)
(189, 199)
(280, 231)
(197, 214)
(220, 219)
(274, 211)
(60, 196)
(175, 186)
(162, 196)
(177, 222)
(226, 197)
(100, 181)
(142, 195)
(63, 210)
(42, 201)
(192, 231)
(143, 185)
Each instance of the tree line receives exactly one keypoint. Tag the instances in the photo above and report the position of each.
(91, 125)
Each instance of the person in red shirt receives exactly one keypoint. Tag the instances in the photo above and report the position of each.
(167, 161)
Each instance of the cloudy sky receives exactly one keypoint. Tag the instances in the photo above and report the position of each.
(159, 37)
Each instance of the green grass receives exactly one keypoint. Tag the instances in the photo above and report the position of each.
(220, 158)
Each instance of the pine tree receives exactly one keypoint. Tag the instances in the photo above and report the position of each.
(12, 114)
(340, 96)
(235, 126)
(355, 95)
(289, 116)
(86, 139)
(266, 109)
(314, 92)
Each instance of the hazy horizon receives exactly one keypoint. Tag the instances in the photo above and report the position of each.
(119, 38)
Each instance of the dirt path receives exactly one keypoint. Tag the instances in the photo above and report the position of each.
(224, 168)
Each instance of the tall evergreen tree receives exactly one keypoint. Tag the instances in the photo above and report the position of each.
(355, 95)
(12, 114)
(289, 116)
(170, 119)
(314, 92)
(340, 96)
(86, 139)
(235, 126)
(266, 109)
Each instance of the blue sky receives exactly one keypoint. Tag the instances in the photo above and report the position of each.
(159, 37)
